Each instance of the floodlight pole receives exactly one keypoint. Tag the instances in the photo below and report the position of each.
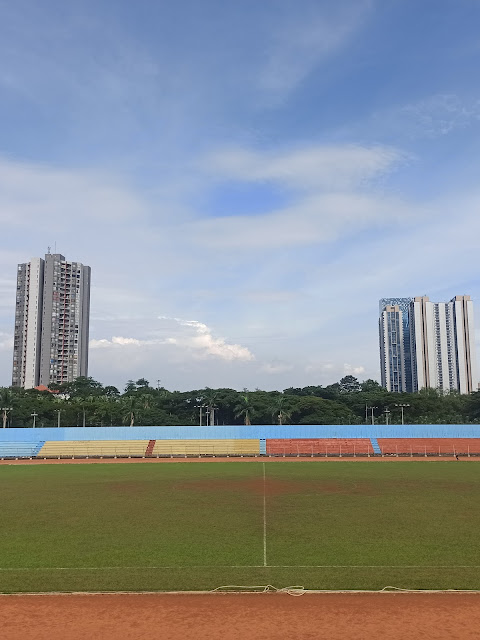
(402, 406)
(373, 417)
(34, 415)
(200, 406)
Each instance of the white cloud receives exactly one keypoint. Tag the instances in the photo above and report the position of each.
(43, 195)
(197, 340)
(334, 369)
(330, 191)
(304, 40)
(440, 114)
(121, 342)
(431, 117)
(203, 344)
(349, 369)
(275, 367)
(314, 168)
(314, 220)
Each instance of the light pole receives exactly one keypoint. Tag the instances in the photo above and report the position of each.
(58, 412)
(34, 415)
(212, 410)
(4, 417)
(387, 414)
(373, 417)
(402, 406)
(200, 406)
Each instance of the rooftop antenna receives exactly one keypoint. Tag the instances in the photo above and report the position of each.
(55, 247)
(48, 252)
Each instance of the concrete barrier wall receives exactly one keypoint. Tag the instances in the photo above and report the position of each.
(241, 432)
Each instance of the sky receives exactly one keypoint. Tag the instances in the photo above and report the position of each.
(245, 179)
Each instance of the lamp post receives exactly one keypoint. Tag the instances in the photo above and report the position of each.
(373, 417)
(212, 408)
(34, 416)
(58, 412)
(387, 414)
(200, 406)
(402, 406)
(4, 417)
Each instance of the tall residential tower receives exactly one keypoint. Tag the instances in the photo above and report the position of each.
(395, 356)
(51, 322)
(439, 351)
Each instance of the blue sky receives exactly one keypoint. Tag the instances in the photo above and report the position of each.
(246, 179)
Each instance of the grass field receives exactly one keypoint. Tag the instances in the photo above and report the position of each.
(184, 526)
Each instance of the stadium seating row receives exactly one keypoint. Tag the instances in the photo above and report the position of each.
(206, 447)
(429, 446)
(19, 449)
(238, 447)
(322, 446)
(147, 448)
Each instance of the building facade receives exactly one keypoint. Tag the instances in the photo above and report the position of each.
(440, 353)
(51, 322)
(391, 349)
(399, 358)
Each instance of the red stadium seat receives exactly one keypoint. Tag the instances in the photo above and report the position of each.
(319, 446)
(429, 446)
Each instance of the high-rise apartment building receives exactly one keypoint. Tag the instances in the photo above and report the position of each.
(51, 322)
(396, 372)
(392, 348)
(440, 349)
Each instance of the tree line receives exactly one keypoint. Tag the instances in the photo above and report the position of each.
(86, 402)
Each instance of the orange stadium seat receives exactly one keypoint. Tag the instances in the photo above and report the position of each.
(429, 446)
(322, 446)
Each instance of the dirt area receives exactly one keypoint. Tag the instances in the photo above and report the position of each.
(333, 616)
(252, 459)
(274, 487)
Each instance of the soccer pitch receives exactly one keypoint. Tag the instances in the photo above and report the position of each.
(199, 526)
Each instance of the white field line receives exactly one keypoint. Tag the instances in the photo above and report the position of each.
(252, 566)
(264, 520)
(385, 591)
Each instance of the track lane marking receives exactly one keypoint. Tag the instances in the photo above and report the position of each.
(252, 566)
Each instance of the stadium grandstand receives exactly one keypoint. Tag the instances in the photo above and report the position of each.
(243, 441)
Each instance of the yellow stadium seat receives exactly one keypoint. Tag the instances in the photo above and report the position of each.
(206, 447)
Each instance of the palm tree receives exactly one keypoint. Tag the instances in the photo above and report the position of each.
(279, 414)
(209, 398)
(85, 403)
(106, 408)
(7, 398)
(130, 406)
(244, 409)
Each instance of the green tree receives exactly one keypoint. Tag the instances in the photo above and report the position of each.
(130, 406)
(349, 384)
(244, 408)
(315, 410)
(279, 412)
(82, 387)
(7, 404)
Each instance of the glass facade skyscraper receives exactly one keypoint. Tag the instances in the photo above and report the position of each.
(427, 344)
(403, 350)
